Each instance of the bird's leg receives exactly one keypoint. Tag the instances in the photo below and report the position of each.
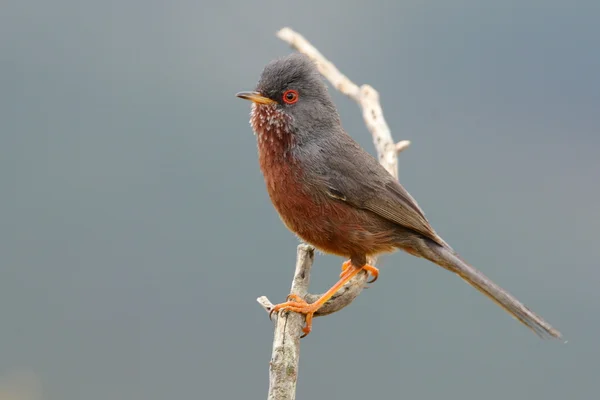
(297, 304)
(369, 268)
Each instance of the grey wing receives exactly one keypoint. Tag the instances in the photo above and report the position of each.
(356, 177)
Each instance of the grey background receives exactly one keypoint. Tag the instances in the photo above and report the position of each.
(136, 232)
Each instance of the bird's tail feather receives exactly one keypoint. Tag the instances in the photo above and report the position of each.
(447, 258)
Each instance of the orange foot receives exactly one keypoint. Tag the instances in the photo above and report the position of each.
(297, 304)
(369, 268)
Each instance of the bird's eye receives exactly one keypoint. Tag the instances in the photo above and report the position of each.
(290, 96)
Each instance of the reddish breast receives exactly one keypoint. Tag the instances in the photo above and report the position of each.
(331, 226)
(281, 171)
(297, 207)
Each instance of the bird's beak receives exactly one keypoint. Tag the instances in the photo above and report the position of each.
(255, 97)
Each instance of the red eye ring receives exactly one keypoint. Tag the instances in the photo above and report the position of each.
(290, 96)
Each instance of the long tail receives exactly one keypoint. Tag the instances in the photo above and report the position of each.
(448, 259)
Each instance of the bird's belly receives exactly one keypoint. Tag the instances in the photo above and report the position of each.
(330, 225)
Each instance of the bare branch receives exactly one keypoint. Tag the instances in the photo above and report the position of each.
(402, 145)
(288, 326)
(283, 369)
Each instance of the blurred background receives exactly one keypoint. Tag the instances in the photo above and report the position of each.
(136, 231)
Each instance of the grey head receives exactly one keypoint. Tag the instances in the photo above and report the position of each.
(293, 87)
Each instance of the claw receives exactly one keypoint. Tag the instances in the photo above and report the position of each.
(373, 271)
(308, 327)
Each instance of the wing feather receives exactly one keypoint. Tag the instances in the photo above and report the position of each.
(356, 177)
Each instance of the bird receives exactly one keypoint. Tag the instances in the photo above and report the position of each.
(336, 196)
